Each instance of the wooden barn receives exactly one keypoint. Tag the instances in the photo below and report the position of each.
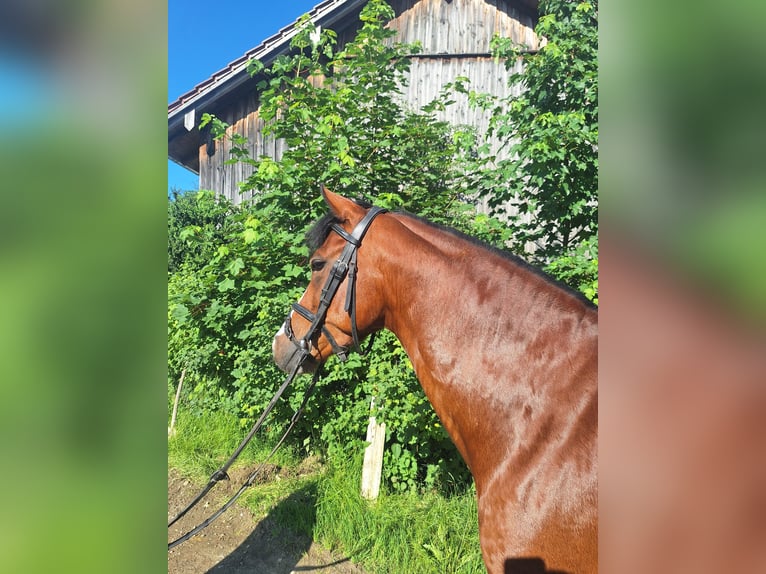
(455, 37)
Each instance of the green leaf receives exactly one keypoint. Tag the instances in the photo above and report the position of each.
(188, 232)
(292, 270)
(226, 284)
(235, 266)
(249, 235)
(179, 312)
(255, 67)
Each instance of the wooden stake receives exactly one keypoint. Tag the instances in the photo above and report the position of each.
(373, 458)
(171, 428)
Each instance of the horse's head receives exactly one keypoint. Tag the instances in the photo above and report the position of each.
(343, 301)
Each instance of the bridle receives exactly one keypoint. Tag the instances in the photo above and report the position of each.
(344, 266)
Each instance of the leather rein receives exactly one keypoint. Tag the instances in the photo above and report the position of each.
(344, 266)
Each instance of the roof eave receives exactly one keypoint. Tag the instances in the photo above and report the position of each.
(235, 74)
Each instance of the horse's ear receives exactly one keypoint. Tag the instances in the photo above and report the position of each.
(344, 209)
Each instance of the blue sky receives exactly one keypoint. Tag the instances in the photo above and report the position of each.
(203, 37)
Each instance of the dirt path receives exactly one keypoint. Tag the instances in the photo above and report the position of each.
(240, 543)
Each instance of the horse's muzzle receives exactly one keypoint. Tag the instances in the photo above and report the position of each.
(289, 353)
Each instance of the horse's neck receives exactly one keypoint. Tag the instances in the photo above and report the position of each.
(451, 291)
(482, 333)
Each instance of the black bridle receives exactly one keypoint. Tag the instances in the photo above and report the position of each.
(344, 266)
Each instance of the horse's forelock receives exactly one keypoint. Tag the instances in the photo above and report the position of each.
(318, 232)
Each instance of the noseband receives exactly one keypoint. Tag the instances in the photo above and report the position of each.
(345, 265)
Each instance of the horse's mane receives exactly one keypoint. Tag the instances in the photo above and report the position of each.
(515, 259)
(318, 233)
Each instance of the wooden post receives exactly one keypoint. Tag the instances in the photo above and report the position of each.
(171, 428)
(373, 457)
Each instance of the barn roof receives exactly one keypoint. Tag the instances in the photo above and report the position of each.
(324, 13)
(223, 84)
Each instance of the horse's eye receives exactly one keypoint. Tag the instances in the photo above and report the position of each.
(317, 265)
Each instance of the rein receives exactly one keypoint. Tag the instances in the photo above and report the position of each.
(221, 473)
(345, 265)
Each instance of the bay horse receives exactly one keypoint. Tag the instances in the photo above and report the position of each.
(506, 356)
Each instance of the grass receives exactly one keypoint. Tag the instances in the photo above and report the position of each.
(203, 443)
(423, 533)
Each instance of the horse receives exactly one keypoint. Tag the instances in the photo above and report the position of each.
(506, 355)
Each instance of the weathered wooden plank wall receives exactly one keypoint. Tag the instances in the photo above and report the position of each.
(455, 36)
(460, 26)
(244, 119)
